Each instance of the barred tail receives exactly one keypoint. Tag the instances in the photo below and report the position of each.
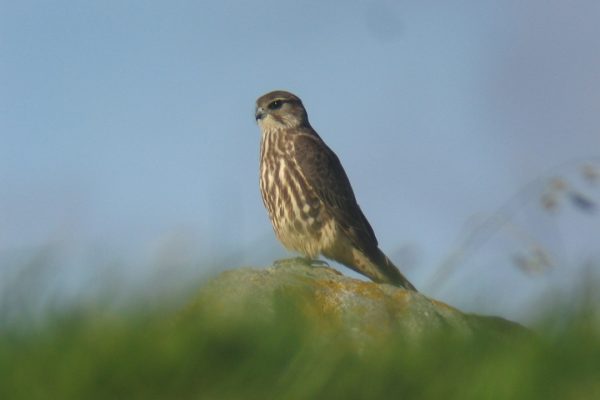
(373, 264)
(388, 272)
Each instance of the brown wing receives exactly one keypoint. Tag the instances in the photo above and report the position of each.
(324, 172)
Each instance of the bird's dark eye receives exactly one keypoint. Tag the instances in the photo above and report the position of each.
(274, 105)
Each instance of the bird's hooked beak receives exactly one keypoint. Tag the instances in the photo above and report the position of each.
(259, 113)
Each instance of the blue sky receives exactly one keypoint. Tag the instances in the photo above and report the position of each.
(127, 127)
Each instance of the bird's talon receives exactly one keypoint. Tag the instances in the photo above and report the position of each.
(289, 261)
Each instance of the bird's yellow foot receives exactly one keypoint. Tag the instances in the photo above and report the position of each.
(300, 260)
(317, 263)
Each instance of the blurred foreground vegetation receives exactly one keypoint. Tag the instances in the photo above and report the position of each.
(198, 352)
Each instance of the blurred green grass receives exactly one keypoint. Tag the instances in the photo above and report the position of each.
(199, 353)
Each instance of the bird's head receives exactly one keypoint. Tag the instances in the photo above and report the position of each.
(280, 110)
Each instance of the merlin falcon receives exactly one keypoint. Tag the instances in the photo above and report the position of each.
(308, 196)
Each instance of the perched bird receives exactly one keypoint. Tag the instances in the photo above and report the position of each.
(308, 195)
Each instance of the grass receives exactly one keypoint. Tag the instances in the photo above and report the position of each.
(199, 353)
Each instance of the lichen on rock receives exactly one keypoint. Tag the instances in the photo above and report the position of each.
(329, 299)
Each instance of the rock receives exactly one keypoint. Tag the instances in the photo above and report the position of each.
(365, 309)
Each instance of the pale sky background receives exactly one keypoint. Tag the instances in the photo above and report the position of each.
(127, 134)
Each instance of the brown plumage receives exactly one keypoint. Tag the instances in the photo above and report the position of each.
(308, 195)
